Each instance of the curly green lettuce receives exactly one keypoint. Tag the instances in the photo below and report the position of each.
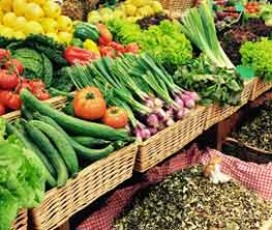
(258, 55)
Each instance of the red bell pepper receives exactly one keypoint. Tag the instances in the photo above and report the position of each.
(75, 55)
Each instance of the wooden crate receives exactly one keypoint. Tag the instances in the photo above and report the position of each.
(21, 221)
(259, 88)
(170, 140)
(91, 183)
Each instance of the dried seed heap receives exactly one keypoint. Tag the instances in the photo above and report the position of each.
(187, 200)
(257, 132)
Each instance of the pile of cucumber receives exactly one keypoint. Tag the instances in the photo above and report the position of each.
(63, 143)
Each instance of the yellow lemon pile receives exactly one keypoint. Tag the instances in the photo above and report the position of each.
(20, 18)
(131, 10)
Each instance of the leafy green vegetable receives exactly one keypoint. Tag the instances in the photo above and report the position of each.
(22, 180)
(164, 42)
(258, 55)
(62, 80)
(213, 84)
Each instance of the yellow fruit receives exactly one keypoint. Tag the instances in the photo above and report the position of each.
(33, 12)
(145, 11)
(65, 37)
(32, 27)
(19, 7)
(52, 9)
(19, 35)
(130, 9)
(94, 17)
(40, 2)
(6, 5)
(53, 35)
(49, 25)
(119, 14)
(157, 7)
(9, 19)
(105, 11)
(6, 32)
(19, 23)
(1, 17)
(64, 23)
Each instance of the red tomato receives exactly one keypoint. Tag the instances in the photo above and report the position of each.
(107, 51)
(10, 99)
(8, 80)
(132, 48)
(2, 109)
(4, 55)
(115, 117)
(42, 95)
(105, 35)
(23, 84)
(89, 106)
(14, 65)
(37, 84)
(117, 46)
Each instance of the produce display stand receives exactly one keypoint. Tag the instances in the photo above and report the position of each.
(92, 182)
(259, 88)
(217, 113)
(170, 140)
(21, 221)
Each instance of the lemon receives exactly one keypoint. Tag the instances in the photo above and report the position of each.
(9, 19)
(19, 23)
(53, 35)
(19, 7)
(52, 9)
(1, 17)
(94, 17)
(49, 25)
(64, 23)
(6, 5)
(65, 37)
(7, 32)
(33, 11)
(19, 35)
(32, 27)
(130, 10)
(40, 2)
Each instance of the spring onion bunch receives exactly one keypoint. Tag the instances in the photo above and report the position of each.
(198, 25)
(142, 87)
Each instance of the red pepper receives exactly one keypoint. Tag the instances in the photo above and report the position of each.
(107, 51)
(117, 46)
(132, 48)
(75, 55)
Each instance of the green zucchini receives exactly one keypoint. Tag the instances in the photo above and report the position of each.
(62, 144)
(44, 143)
(74, 125)
(90, 141)
(86, 153)
(21, 135)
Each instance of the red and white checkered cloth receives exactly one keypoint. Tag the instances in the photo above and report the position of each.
(253, 176)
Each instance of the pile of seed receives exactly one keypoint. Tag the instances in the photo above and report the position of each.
(257, 132)
(187, 201)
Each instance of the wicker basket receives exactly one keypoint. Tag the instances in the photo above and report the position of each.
(94, 181)
(217, 113)
(56, 102)
(21, 221)
(170, 140)
(259, 88)
(177, 6)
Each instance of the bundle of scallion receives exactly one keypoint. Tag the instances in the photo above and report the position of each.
(142, 87)
(198, 25)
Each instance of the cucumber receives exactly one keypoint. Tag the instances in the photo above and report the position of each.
(86, 153)
(74, 125)
(48, 169)
(44, 143)
(90, 141)
(62, 144)
(26, 114)
(92, 154)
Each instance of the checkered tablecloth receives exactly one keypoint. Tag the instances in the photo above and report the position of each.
(253, 176)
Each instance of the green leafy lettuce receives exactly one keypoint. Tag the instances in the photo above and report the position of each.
(22, 180)
(258, 55)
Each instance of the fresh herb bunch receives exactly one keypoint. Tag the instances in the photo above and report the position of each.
(212, 83)
(164, 42)
(257, 131)
(187, 200)
(258, 55)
